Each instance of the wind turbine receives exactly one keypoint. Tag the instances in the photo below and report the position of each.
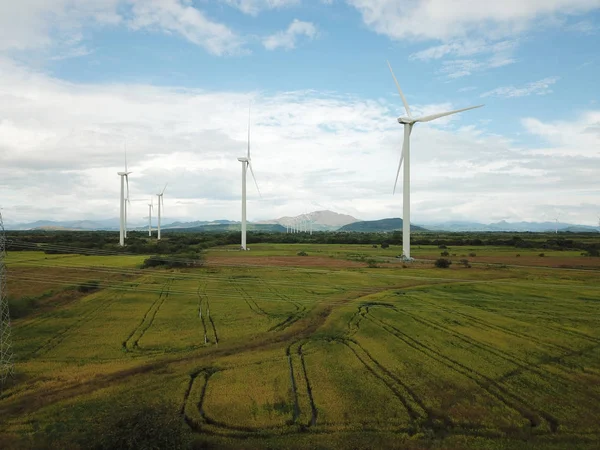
(246, 163)
(150, 208)
(123, 214)
(408, 122)
(161, 201)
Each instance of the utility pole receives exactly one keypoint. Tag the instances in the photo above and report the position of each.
(7, 368)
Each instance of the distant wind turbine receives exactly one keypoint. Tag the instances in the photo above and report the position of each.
(123, 214)
(161, 202)
(150, 208)
(246, 163)
(408, 122)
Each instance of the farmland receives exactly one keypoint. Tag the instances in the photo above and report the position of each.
(345, 347)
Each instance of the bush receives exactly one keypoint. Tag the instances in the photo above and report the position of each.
(89, 286)
(385, 244)
(541, 255)
(518, 255)
(465, 262)
(444, 253)
(302, 253)
(593, 252)
(442, 263)
(372, 263)
(442, 247)
(472, 255)
(179, 260)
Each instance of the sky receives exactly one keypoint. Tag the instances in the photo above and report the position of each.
(172, 81)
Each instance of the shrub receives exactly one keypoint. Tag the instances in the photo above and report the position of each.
(374, 246)
(302, 253)
(518, 255)
(442, 247)
(444, 253)
(385, 244)
(593, 252)
(89, 286)
(465, 262)
(472, 255)
(541, 255)
(372, 263)
(179, 260)
(442, 263)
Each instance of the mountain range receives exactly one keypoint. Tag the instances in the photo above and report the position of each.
(322, 221)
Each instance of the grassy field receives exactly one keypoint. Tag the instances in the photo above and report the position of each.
(346, 347)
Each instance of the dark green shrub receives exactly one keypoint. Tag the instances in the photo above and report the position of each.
(302, 253)
(442, 263)
(89, 286)
(385, 244)
(444, 253)
(472, 255)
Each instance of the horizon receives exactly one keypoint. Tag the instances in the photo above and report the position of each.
(171, 83)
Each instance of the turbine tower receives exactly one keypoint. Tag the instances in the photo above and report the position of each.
(161, 201)
(123, 213)
(246, 163)
(408, 122)
(150, 208)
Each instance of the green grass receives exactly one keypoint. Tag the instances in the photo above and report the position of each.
(292, 356)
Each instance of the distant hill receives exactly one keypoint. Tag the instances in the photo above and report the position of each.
(222, 228)
(536, 227)
(383, 225)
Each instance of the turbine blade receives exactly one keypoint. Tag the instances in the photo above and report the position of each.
(163, 191)
(127, 180)
(125, 154)
(254, 178)
(405, 146)
(437, 116)
(400, 92)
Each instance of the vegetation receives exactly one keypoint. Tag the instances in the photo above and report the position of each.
(263, 349)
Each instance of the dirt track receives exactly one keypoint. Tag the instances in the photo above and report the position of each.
(285, 261)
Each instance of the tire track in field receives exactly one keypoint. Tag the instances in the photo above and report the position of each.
(126, 343)
(250, 301)
(522, 365)
(153, 315)
(483, 323)
(59, 337)
(486, 383)
(298, 314)
(296, 411)
(313, 408)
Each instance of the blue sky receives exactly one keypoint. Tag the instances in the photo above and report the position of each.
(173, 79)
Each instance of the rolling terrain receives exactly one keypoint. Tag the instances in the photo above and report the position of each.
(345, 347)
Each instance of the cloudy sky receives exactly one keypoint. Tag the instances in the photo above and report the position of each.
(171, 80)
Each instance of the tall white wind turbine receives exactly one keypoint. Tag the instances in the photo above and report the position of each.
(161, 203)
(150, 208)
(123, 214)
(408, 121)
(246, 163)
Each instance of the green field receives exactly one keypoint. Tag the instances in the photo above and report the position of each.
(347, 347)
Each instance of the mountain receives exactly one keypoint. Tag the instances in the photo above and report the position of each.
(322, 220)
(503, 225)
(221, 228)
(383, 225)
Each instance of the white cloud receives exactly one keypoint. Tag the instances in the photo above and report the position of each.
(540, 87)
(179, 16)
(63, 142)
(287, 39)
(253, 7)
(444, 20)
(38, 24)
(60, 26)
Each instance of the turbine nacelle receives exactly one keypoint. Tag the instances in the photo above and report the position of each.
(243, 159)
(406, 120)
